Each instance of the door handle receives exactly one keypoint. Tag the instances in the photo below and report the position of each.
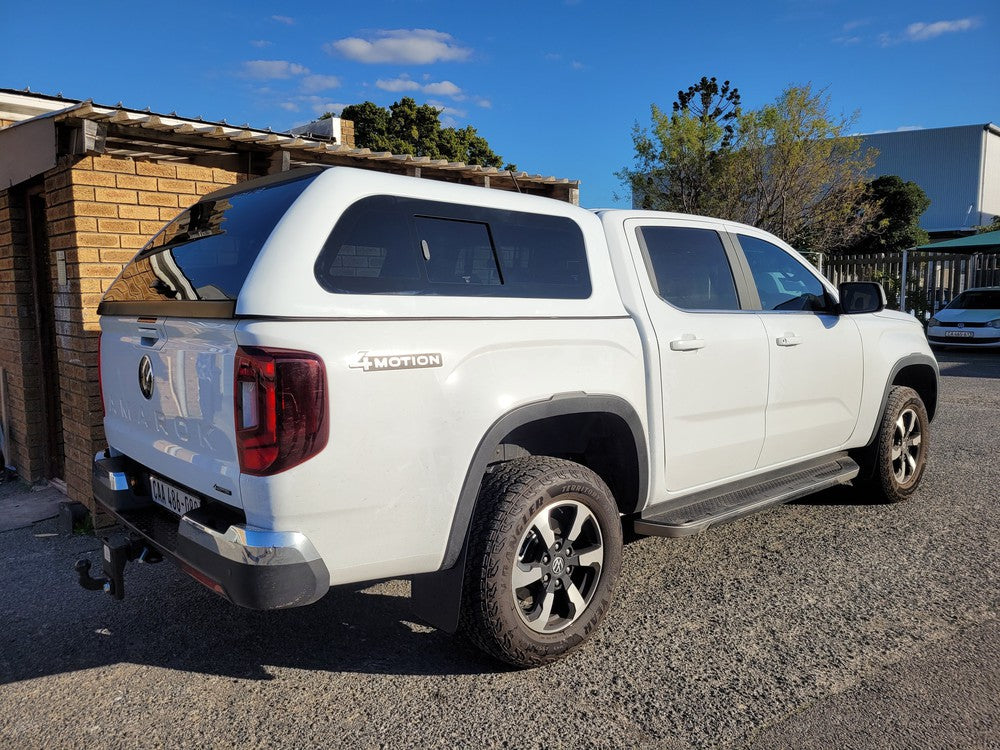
(148, 337)
(687, 343)
(789, 339)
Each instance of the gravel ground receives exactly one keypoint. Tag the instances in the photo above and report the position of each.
(826, 623)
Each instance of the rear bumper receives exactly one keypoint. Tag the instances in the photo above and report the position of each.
(252, 567)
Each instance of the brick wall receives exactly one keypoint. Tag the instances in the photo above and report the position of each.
(347, 133)
(19, 342)
(100, 210)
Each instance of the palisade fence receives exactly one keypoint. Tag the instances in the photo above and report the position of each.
(933, 279)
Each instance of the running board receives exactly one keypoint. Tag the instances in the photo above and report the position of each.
(729, 502)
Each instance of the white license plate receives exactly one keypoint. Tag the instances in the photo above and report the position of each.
(171, 497)
(959, 334)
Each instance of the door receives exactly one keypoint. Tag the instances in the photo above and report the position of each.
(713, 354)
(41, 278)
(814, 393)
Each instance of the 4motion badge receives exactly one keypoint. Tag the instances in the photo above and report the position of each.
(379, 362)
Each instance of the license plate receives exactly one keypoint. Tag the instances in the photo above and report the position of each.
(171, 497)
(959, 334)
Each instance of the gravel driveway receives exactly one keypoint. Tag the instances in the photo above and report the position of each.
(825, 623)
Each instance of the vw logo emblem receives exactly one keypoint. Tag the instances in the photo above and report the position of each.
(558, 565)
(961, 325)
(146, 376)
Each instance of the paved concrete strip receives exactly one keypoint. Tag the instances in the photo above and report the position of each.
(20, 508)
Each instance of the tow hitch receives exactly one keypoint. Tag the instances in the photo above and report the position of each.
(118, 550)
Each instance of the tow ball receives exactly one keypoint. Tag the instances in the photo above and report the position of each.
(118, 550)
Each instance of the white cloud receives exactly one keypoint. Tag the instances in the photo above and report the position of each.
(290, 106)
(403, 83)
(444, 88)
(847, 41)
(260, 43)
(920, 32)
(577, 65)
(401, 46)
(446, 110)
(316, 83)
(435, 88)
(288, 21)
(484, 103)
(322, 106)
(268, 69)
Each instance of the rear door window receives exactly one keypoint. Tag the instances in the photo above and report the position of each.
(392, 245)
(689, 267)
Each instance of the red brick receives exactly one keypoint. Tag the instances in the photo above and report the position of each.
(112, 195)
(155, 169)
(111, 164)
(175, 186)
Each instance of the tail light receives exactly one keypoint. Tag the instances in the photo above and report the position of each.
(280, 398)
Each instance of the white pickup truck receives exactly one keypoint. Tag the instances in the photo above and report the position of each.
(331, 376)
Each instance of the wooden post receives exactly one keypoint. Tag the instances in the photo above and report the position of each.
(902, 283)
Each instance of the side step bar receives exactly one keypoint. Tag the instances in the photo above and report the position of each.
(729, 502)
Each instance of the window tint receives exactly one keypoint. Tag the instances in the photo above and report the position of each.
(978, 300)
(783, 283)
(689, 268)
(390, 245)
(457, 252)
(208, 250)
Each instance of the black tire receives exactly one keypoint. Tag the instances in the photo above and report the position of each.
(539, 623)
(901, 445)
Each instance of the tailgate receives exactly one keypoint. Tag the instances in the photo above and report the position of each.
(168, 397)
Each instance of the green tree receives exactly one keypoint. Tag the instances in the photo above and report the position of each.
(679, 160)
(789, 167)
(797, 173)
(993, 226)
(893, 220)
(408, 128)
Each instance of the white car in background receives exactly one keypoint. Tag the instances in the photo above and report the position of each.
(971, 319)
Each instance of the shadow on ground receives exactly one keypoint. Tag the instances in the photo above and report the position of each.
(167, 620)
(969, 363)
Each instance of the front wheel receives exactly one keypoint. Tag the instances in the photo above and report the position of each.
(901, 445)
(544, 553)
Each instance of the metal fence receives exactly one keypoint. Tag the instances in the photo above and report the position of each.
(932, 280)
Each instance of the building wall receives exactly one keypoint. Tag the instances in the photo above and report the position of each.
(19, 353)
(945, 162)
(991, 177)
(347, 133)
(99, 210)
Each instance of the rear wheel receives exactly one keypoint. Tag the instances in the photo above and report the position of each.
(544, 554)
(901, 445)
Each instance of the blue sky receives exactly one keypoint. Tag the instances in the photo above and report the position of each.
(554, 86)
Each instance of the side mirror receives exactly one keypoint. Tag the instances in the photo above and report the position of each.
(861, 297)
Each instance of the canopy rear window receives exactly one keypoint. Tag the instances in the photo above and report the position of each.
(196, 265)
(393, 245)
